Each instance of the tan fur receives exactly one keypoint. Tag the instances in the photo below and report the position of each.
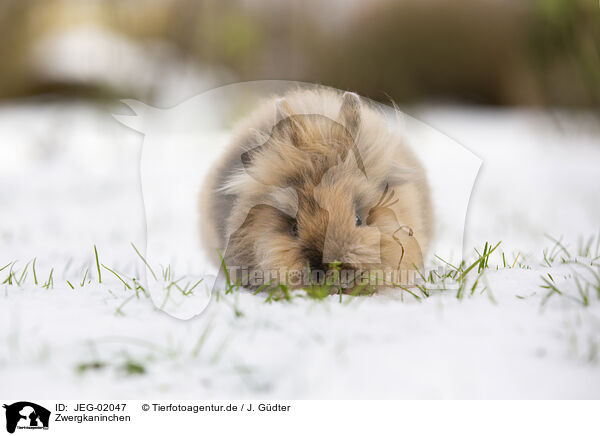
(320, 157)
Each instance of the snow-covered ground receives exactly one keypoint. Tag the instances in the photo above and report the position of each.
(70, 180)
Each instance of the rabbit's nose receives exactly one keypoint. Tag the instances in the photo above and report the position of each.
(315, 261)
(313, 256)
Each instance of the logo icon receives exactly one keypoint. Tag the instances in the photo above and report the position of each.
(339, 191)
(26, 415)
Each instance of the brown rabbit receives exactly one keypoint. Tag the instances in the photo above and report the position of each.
(316, 180)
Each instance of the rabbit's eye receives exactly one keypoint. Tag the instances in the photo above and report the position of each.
(294, 229)
(358, 220)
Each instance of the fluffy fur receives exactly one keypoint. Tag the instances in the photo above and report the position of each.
(313, 178)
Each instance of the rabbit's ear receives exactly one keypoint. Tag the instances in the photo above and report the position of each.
(283, 110)
(349, 115)
(288, 123)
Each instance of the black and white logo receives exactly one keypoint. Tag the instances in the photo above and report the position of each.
(26, 415)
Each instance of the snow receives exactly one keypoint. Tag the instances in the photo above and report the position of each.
(70, 178)
(93, 54)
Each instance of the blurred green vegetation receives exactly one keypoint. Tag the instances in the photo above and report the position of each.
(511, 52)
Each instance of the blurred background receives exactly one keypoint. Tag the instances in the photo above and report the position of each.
(491, 52)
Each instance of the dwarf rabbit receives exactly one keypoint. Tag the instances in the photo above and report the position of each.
(316, 180)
